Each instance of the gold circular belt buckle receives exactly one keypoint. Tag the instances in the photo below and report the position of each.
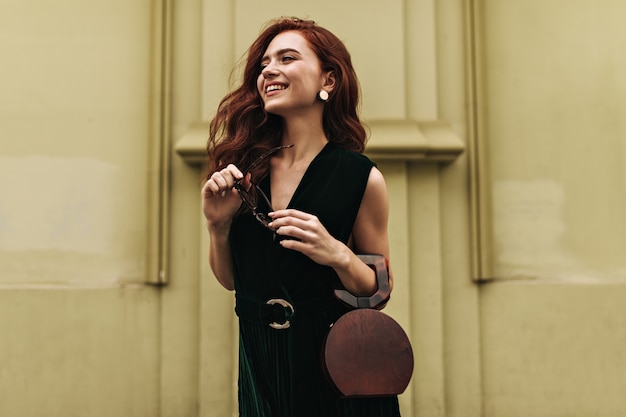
(285, 304)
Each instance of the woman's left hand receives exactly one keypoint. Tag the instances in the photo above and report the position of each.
(308, 236)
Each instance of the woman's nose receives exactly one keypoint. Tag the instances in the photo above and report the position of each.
(269, 71)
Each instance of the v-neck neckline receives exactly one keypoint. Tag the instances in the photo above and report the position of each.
(266, 182)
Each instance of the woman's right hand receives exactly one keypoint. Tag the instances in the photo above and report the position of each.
(220, 201)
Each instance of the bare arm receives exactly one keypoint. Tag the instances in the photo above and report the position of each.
(220, 256)
(370, 235)
(220, 202)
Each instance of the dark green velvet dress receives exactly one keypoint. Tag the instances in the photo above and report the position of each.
(280, 373)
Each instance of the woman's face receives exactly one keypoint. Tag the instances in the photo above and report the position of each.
(290, 76)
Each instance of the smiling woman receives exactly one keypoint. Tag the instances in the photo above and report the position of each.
(291, 75)
(309, 210)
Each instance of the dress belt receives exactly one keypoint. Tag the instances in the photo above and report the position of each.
(276, 312)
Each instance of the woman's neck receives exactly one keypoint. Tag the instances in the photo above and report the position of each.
(307, 135)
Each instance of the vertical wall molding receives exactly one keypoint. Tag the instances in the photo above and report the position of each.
(480, 200)
(158, 176)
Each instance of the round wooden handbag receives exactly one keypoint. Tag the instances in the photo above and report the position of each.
(366, 352)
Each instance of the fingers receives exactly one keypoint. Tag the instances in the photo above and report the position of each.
(221, 181)
(295, 218)
(307, 235)
(297, 224)
(292, 214)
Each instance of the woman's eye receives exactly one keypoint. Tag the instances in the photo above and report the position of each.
(283, 59)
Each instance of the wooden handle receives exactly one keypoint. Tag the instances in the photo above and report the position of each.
(379, 299)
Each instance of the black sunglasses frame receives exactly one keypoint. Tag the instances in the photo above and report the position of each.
(249, 199)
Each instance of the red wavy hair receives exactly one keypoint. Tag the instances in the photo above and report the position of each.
(242, 130)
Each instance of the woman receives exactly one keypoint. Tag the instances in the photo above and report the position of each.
(288, 144)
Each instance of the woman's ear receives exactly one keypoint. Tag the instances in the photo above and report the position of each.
(329, 81)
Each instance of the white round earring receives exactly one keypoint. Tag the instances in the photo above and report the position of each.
(322, 96)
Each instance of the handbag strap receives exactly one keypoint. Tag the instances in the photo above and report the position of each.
(380, 298)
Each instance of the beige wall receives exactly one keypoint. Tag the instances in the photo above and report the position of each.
(552, 83)
(79, 327)
(497, 126)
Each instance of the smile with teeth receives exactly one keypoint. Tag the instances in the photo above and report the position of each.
(274, 87)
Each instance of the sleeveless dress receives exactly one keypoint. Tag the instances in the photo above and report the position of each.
(280, 372)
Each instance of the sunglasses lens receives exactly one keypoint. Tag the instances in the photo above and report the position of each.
(251, 199)
(253, 195)
(248, 198)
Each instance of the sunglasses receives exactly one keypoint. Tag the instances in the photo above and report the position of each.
(250, 195)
